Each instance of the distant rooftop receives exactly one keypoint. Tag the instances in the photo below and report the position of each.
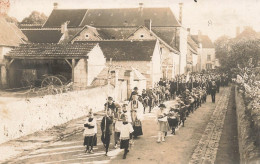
(120, 17)
(126, 50)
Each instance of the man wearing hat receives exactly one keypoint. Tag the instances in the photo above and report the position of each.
(163, 126)
(135, 92)
(110, 105)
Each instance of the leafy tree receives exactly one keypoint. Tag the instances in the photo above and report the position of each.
(221, 49)
(10, 19)
(239, 50)
(35, 18)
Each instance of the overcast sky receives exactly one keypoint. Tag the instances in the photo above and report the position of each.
(212, 17)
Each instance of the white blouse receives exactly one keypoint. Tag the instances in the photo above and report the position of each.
(92, 131)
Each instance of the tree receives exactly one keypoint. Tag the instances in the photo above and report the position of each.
(239, 50)
(221, 49)
(10, 19)
(35, 18)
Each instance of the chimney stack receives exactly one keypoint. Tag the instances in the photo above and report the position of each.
(180, 12)
(188, 29)
(64, 27)
(148, 24)
(237, 31)
(199, 36)
(55, 5)
(141, 6)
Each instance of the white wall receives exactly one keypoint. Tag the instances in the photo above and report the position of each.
(23, 117)
(156, 64)
(96, 63)
(87, 31)
(3, 52)
(204, 53)
(139, 32)
(183, 50)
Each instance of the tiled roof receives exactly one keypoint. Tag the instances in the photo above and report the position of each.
(205, 41)
(168, 34)
(28, 26)
(129, 17)
(46, 51)
(126, 50)
(120, 17)
(193, 45)
(10, 34)
(116, 33)
(59, 16)
(248, 32)
(43, 35)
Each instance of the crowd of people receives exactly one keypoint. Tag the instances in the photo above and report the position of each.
(188, 92)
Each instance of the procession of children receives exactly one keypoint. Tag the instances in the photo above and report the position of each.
(124, 122)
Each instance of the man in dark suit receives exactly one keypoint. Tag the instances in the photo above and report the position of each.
(213, 91)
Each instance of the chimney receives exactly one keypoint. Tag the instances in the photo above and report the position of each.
(148, 24)
(64, 27)
(199, 36)
(237, 31)
(141, 7)
(180, 12)
(188, 29)
(55, 5)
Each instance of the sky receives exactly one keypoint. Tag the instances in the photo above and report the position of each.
(212, 17)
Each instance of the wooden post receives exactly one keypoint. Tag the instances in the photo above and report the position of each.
(73, 67)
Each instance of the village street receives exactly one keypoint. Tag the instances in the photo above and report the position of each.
(191, 143)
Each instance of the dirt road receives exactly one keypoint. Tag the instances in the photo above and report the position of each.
(178, 148)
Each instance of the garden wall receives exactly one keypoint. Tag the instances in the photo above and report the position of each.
(27, 116)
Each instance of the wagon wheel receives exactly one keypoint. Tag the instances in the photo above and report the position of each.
(51, 80)
(62, 78)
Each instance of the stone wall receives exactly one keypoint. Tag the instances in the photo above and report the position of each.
(80, 73)
(26, 116)
(248, 133)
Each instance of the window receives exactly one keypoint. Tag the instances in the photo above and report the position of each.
(87, 35)
(208, 66)
(141, 36)
(208, 57)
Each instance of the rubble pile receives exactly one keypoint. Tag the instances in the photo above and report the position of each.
(28, 116)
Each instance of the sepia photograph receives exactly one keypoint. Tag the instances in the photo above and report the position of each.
(129, 82)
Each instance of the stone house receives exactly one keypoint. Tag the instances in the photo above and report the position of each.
(144, 56)
(10, 37)
(207, 59)
(170, 56)
(192, 55)
(118, 24)
(79, 62)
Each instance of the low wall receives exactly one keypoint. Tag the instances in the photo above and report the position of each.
(248, 135)
(24, 117)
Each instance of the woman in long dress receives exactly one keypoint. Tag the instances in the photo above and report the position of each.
(136, 109)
